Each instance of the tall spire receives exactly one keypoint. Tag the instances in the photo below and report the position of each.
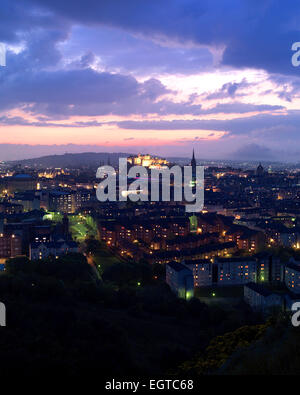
(193, 161)
(194, 166)
(259, 170)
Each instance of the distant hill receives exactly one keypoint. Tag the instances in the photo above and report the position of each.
(73, 160)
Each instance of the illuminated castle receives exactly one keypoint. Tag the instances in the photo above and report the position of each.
(147, 161)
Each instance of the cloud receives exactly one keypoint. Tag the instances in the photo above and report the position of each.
(19, 17)
(40, 80)
(98, 58)
(236, 126)
(36, 83)
(13, 121)
(240, 108)
(63, 93)
(253, 152)
(59, 93)
(125, 52)
(230, 89)
(256, 34)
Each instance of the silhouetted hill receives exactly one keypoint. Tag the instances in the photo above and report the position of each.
(74, 160)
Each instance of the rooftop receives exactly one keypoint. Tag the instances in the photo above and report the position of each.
(178, 267)
(259, 289)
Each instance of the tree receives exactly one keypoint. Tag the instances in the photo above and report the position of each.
(18, 264)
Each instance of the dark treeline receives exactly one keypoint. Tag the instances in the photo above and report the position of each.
(63, 317)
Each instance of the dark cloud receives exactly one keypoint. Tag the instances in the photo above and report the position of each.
(256, 34)
(62, 93)
(38, 80)
(259, 152)
(87, 58)
(35, 82)
(22, 16)
(126, 52)
(254, 152)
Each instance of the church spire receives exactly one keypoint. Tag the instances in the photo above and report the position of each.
(259, 170)
(194, 166)
(193, 161)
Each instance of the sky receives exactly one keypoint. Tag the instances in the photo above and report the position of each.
(152, 76)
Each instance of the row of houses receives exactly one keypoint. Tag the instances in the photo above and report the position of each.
(253, 273)
(11, 247)
(181, 232)
(207, 251)
(221, 271)
(114, 232)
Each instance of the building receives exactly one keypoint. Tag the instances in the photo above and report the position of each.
(28, 200)
(10, 246)
(68, 201)
(203, 252)
(190, 241)
(194, 168)
(40, 233)
(223, 271)
(17, 183)
(83, 198)
(283, 235)
(292, 276)
(260, 170)
(11, 208)
(236, 271)
(269, 268)
(42, 250)
(112, 232)
(261, 299)
(289, 299)
(245, 238)
(180, 279)
(62, 201)
(202, 271)
(147, 161)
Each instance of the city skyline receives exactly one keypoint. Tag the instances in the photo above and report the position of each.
(149, 192)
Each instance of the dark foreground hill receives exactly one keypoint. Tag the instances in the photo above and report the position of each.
(63, 320)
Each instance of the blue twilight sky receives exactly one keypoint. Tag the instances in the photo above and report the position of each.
(158, 76)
